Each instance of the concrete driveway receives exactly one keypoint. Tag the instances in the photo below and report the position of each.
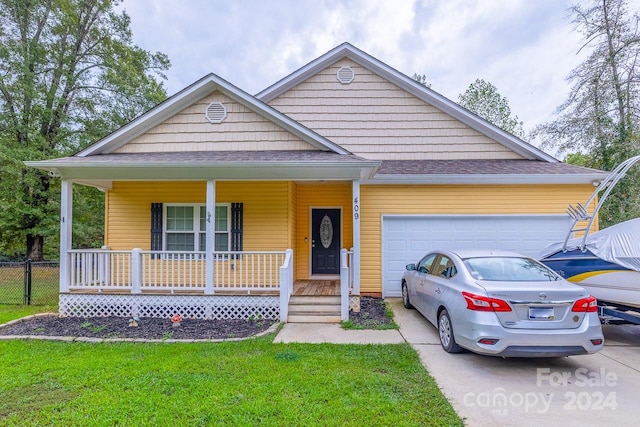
(599, 389)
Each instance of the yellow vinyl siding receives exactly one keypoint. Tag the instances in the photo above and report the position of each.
(293, 217)
(375, 119)
(189, 130)
(266, 218)
(320, 195)
(266, 214)
(128, 223)
(378, 200)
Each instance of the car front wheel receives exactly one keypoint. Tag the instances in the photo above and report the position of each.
(445, 330)
(405, 296)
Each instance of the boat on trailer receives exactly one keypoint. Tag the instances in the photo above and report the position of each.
(607, 262)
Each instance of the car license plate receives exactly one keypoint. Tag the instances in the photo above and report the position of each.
(541, 313)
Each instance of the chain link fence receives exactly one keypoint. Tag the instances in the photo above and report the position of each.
(29, 282)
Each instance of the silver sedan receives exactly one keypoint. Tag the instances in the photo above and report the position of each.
(503, 304)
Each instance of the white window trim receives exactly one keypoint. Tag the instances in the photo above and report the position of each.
(196, 222)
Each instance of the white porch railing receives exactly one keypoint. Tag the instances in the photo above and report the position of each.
(136, 271)
(100, 269)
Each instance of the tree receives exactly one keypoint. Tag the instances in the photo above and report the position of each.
(578, 159)
(601, 114)
(422, 79)
(69, 74)
(483, 99)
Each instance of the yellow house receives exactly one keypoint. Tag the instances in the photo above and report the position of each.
(294, 202)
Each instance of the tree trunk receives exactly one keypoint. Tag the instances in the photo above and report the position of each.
(34, 247)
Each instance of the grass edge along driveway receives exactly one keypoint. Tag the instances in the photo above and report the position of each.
(233, 383)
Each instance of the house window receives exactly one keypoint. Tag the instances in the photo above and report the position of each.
(185, 228)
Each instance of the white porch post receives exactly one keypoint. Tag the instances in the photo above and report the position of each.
(355, 192)
(66, 209)
(210, 234)
(136, 271)
(344, 286)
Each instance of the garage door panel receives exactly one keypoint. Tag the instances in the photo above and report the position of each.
(441, 242)
(468, 227)
(485, 243)
(506, 226)
(485, 227)
(417, 227)
(463, 243)
(407, 239)
(397, 226)
(397, 245)
(511, 245)
(530, 245)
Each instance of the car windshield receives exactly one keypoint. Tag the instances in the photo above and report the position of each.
(500, 269)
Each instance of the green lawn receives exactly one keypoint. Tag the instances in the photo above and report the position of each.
(44, 284)
(252, 382)
(12, 311)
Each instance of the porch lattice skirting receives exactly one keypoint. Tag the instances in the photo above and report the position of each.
(354, 303)
(165, 306)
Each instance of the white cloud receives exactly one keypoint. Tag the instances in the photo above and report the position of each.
(525, 48)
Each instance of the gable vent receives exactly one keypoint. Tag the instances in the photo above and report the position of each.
(216, 112)
(346, 75)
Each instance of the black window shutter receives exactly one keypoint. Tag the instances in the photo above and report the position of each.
(236, 227)
(156, 226)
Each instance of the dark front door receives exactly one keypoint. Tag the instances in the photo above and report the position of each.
(325, 241)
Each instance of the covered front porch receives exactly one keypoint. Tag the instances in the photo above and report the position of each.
(245, 284)
(178, 241)
(139, 272)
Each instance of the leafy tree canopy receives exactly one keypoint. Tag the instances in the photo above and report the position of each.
(600, 117)
(422, 79)
(69, 74)
(483, 99)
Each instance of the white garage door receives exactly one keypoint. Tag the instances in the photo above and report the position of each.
(406, 239)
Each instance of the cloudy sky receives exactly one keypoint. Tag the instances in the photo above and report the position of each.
(525, 48)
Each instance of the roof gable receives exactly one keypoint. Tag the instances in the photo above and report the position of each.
(191, 95)
(482, 127)
(375, 119)
(190, 130)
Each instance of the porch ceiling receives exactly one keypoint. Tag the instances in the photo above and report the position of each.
(100, 170)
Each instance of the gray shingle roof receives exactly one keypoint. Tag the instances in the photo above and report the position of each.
(472, 167)
(214, 157)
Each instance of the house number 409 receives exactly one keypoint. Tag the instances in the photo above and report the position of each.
(356, 208)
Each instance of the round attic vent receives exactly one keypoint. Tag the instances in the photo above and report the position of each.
(346, 75)
(216, 112)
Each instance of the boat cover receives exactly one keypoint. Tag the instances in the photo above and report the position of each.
(619, 244)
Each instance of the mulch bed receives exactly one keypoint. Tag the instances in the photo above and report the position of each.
(148, 328)
(159, 329)
(372, 313)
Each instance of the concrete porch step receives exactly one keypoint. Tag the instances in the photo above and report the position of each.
(315, 300)
(314, 309)
(315, 318)
(319, 308)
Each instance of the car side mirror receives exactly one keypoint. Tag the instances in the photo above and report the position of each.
(411, 267)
